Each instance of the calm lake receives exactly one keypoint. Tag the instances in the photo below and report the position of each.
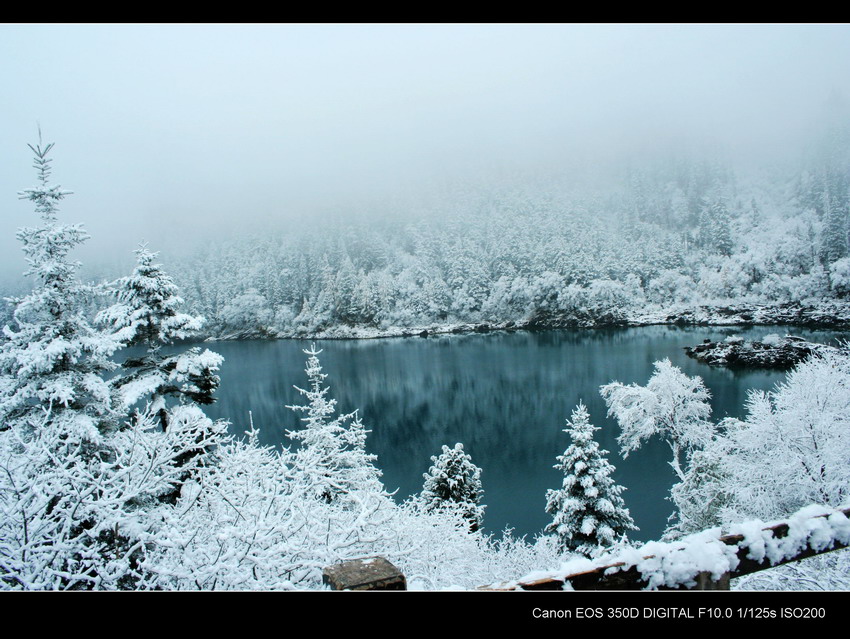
(506, 396)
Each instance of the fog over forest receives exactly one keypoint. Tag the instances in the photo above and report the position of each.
(169, 133)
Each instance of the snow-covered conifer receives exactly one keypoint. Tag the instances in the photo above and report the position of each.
(454, 482)
(147, 314)
(64, 497)
(834, 242)
(81, 486)
(588, 513)
(331, 456)
(52, 359)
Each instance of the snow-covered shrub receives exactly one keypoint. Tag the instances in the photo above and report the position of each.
(248, 523)
(670, 287)
(248, 313)
(454, 483)
(830, 571)
(436, 550)
(839, 276)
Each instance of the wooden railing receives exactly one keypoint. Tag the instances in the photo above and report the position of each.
(622, 575)
(731, 555)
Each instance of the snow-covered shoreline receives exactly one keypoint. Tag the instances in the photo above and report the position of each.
(831, 314)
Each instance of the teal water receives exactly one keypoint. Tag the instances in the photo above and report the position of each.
(506, 396)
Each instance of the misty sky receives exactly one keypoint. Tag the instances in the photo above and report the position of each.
(164, 129)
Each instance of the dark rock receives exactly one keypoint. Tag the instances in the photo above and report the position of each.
(374, 573)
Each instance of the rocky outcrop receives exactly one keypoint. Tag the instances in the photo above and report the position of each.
(771, 352)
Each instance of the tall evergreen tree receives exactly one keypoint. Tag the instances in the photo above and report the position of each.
(52, 360)
(721, 234)
(454, 482)
(78, 482)
(588, 513)
(834, 244)
(331, 458)
(58, 504)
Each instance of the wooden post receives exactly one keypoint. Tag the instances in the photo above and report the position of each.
(706, 582)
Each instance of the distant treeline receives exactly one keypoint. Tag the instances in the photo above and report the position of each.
(663, 236)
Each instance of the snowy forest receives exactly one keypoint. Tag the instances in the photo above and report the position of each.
(114, 476)
(684, 237)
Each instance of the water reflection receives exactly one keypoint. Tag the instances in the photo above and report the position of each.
(505, 396)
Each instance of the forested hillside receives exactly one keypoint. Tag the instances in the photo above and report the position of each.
(657, 239)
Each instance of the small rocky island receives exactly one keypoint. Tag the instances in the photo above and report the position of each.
(771, 352)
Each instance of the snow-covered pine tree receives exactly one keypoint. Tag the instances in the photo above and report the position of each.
(78, 483)
(834, 239)
(454, 482)
(331, 457)
(721, 233)
(588, 513)
(52, 360)
(59, 512)
(147, 314)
